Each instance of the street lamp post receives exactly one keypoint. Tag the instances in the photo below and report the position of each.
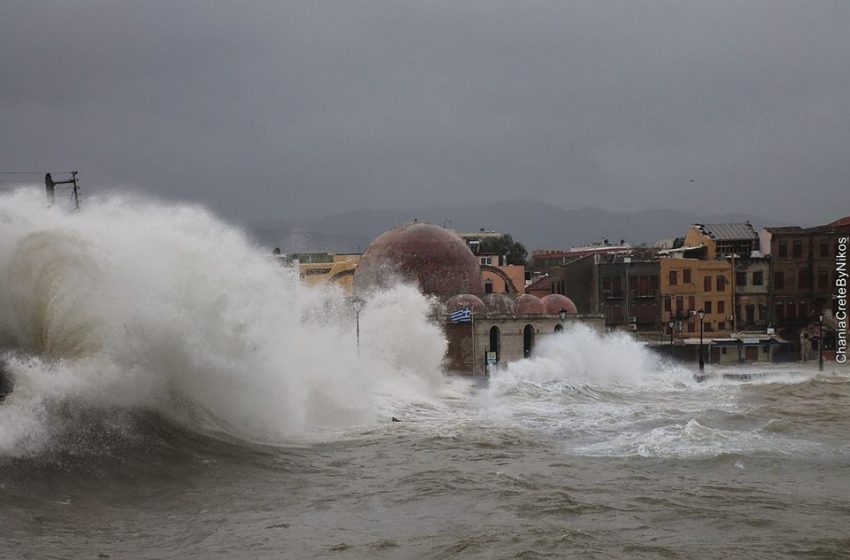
(820, 342)
(701, 314)
(671, 324)
(358, 304)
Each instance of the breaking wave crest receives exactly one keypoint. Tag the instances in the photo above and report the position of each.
(133, 305)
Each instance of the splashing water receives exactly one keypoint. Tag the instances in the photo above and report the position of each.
(580, 356)
(607, 395)
(133, 304)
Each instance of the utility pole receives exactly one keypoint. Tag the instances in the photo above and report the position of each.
(50, 188)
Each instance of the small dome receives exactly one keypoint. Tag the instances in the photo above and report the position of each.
(436, 258)
(555, 302)
(500, 303)
(527, 304)
(461, 301)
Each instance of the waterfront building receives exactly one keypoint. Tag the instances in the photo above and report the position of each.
(802, 287)
(503, 326)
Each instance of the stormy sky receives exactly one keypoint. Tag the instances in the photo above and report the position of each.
(284, 110)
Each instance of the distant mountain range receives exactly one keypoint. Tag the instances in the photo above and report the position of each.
(537, 225)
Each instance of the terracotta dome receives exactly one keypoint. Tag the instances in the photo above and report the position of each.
(435, 257)
(500, 303)
(555, 302)
(527, 304)
(461, 301)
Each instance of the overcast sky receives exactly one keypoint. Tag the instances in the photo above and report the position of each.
(267, 110)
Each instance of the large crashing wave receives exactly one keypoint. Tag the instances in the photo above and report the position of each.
(138, 305)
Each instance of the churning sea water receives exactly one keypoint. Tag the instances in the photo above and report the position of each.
(177, 395)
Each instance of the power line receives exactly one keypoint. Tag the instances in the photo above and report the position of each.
(29, 172)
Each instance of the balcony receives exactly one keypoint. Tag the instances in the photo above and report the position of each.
(644, 294)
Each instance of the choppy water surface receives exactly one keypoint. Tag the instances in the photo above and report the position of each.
(160, 414)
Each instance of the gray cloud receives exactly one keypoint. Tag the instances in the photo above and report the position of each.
(293, 109)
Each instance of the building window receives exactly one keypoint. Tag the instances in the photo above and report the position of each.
(804, 310)
(707, 306)
(617, 290)
(721, 306)
(779, 311)
(709, 327)
(691, 303)
(680, 304)
(783, 249)
(824, 247)
(741, 278)
(686, 276)
(797, 248)
(691, 326)
(617, 314)
(721, 283)
(643, 285)
(488, 286)
(765, 349)
(667, 305)
(823, 280)
(803, 279)
(674, 278)
(721, 326)
(706, 284)
(653, 282)
(758, 278)
(779, 280)
(791, 310)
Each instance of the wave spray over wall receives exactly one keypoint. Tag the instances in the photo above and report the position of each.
(608, 395)
(133, 305)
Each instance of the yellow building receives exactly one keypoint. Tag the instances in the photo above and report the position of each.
(322, 268)
(713, 241)
(689, 285)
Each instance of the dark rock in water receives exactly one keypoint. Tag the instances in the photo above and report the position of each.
(396, 419)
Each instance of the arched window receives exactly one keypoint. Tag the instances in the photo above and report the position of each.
(559, 327)
(495, 340)
(527, 340)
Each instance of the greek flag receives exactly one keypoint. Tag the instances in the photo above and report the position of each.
(461, 316)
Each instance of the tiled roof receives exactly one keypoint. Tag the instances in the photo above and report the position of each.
(842, 224)
(544, 283)
(785, 229)
(729, 231)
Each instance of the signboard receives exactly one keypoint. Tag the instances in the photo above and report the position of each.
(491, 358)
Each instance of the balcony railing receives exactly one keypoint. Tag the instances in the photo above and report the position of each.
(644, 294)
(612, 294)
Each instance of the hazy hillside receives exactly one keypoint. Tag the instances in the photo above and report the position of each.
(536, 224)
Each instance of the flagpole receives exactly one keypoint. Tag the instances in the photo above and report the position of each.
(472, 322)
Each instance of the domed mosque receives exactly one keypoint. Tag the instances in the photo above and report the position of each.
(501, 327)
(436, 258)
